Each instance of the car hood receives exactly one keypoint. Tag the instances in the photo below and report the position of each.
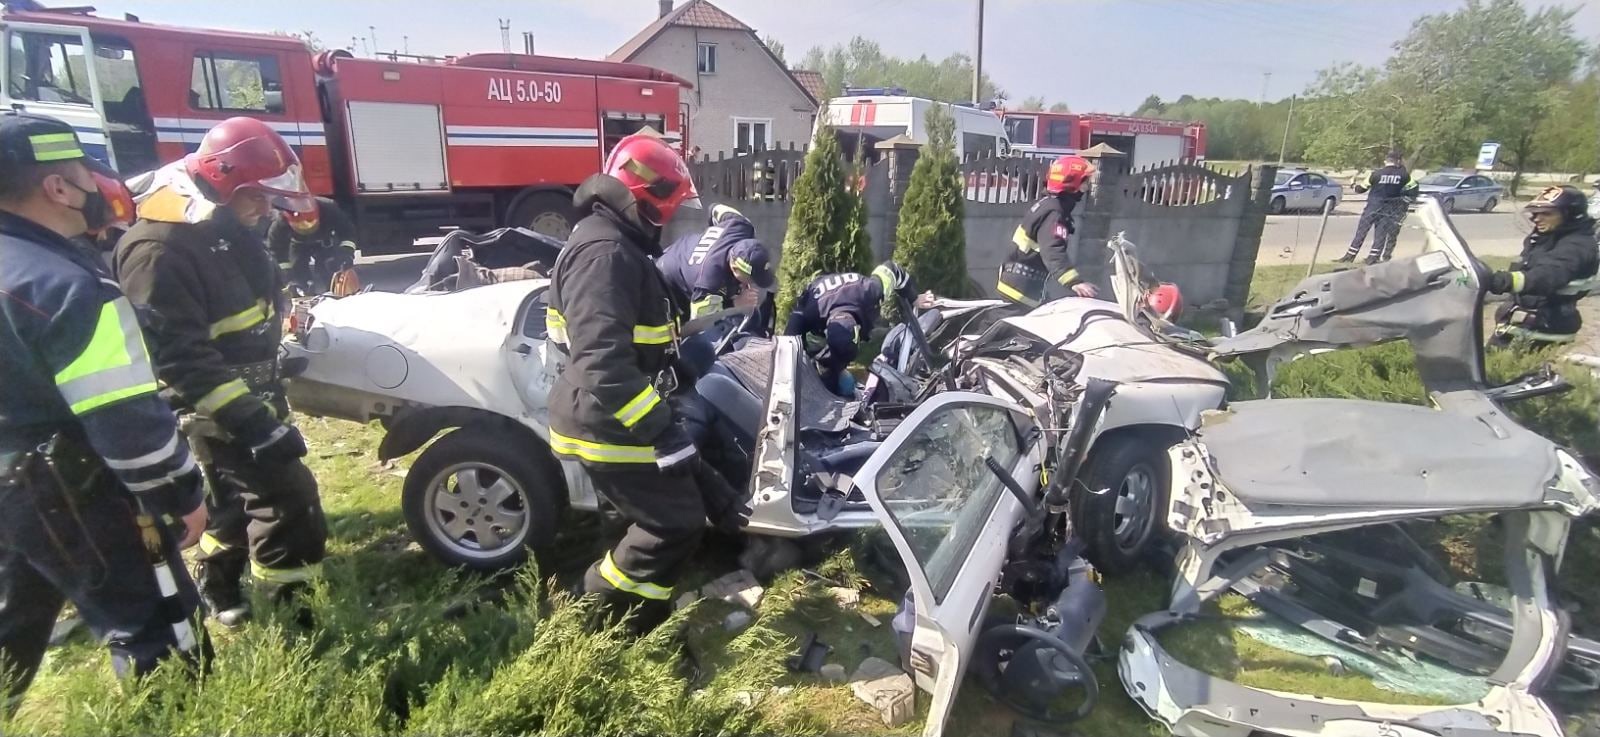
(1112, 348)
(478, 316)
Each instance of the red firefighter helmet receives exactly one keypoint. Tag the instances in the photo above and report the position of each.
(304, 221)
(244, 153)
(119, 200)
(655, 174)
(1068, 174)
(1165, 300)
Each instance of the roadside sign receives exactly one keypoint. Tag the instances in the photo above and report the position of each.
(1486, 155)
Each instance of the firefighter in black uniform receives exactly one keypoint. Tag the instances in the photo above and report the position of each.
(1556, 268)
(842, 310)
(314, 245)
(1042, 251)
(81, 426)
(1390, 191)
(195, 262)
(612, 419)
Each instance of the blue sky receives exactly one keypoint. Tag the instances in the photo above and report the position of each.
(1096, 55)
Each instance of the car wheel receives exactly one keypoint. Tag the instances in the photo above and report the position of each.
(1449, 204)
(477, 500)
(1276, 207)
(549, 213)
(1123, 523)
(1489, 205)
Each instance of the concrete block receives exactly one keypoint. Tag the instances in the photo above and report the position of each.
(833, 673)
(739, 587)
(847, 598)
(872, 668)
(737, 620)
(894, 696)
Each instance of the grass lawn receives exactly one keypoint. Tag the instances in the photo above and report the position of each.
(403, 645)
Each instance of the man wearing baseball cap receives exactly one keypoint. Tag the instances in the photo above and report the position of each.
(99, 490)
(709, 270)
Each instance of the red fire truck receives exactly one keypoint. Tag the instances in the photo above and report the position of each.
(1145, 141)
(408, 146)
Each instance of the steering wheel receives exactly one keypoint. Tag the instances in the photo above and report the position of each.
(1057, 671)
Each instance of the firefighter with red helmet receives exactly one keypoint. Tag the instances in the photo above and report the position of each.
(314, 246)
(1041, 239)
(213, 293)
(613, 423)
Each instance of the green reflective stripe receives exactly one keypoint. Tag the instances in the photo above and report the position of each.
(1068, 277)
(1007, 291)
(1025, 242)
(210, 545)
(641, 170)
(1518, 281)
(249, 318)
(55, 147)
(555, 326)
(740, 265)
(614, 576)
(636, 408)
(710, 304)
(601, 452)
(652, 334)
(298, 574)
(219, 397)
(112, 367)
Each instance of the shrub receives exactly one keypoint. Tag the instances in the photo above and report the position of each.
(931, 240)
(827, 225)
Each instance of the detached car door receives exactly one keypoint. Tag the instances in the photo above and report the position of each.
(949, 517)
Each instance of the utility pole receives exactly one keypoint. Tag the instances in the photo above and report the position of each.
(1284, 147)
(405, 45)
(977, 60)
(372, 32)
(1265, 78)
(505, 34)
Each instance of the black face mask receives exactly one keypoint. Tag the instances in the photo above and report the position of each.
(96, 211)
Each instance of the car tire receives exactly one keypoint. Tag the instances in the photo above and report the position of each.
(1277, 206)
(1489, 205)
(1449, 204)
(1122, 525)
(474, 483)
(549, 213)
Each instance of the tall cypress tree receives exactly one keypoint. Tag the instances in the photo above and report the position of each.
(827, 230)
(931, 240)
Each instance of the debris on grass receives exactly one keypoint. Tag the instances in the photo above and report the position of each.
(833, 673)
(886, 688)
(847, 598)
(685, 599)
(737, 619)
(739, 587)
(869, 619)
(810, 656)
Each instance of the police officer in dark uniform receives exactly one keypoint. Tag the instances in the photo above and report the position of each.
(1389, 191)
(842, 310)
(313, 245)
(99, 489)
(1042, 250)
(708, 271)
(214, 292)
(613, 422)
(1556, 268)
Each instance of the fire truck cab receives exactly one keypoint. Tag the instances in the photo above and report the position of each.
(1144, 141)
(407, 145)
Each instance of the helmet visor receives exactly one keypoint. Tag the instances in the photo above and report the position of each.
(288, 190)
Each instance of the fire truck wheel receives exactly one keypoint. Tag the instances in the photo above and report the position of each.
(549, 213)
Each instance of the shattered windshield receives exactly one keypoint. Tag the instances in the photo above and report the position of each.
(939, 490)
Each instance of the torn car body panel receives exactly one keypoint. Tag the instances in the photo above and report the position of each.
(1274, 471)
(1435, 301)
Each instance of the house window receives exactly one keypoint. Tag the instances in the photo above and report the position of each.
(751, 135)
(246, 83)
(708, 59)
(1058, 134)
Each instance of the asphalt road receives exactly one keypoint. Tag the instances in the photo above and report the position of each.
(1288, 239)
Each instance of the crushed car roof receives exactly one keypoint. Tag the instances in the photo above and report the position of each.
(1112, 348)
(1343, 452)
